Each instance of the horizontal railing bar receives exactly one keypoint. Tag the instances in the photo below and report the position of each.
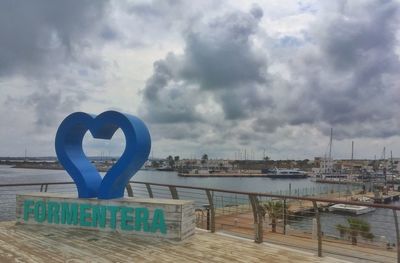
(34, 184)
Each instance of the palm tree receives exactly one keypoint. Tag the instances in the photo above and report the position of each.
(171, 161)
(204, 159)
(357, 227)
(274, 210)
(342, 230)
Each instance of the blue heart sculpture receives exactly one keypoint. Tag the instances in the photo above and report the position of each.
(70, 153)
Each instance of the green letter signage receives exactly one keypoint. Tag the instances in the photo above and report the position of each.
(69, 213)
(158, 221)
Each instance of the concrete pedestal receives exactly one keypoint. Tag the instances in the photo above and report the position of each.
(159, 218)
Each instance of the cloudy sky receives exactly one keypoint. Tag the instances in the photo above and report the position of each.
(206, 76)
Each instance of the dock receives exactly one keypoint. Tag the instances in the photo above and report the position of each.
(23, 243)
(330, 181)
(222, 175)
(386, 199)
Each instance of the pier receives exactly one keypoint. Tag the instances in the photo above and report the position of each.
(330, 181)
(20, 243)
(386, 199)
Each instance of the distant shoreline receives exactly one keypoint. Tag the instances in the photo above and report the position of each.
(46, 166)
(36, 167)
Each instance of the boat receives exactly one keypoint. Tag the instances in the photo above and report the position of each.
(284, 173)
(327, 172)
(351, 209)
(165, 168)
(363, 199)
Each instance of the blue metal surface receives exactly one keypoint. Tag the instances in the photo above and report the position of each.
(70, 153)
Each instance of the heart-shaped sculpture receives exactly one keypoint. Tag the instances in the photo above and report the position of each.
(70, 153)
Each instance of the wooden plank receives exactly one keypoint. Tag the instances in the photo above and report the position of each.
(26, 243)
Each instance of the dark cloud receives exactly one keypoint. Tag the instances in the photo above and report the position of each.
(220, 54)
(174, 106)
(36, 36)
(49, 45)
(49, 106)
(220, 59)
(109, 33)
(347, 79)
(159, 22)
(179, 132)
(155, 9)
(267, 124)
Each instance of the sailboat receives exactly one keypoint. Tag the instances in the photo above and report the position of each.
(326, 171)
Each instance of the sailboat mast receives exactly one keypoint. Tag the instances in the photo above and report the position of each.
(352, 150)
(391, 161)
(330, 152)
(384, 164)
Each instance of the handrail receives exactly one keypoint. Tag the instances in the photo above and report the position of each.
(325, 200)
(33, 184)
(303, 198)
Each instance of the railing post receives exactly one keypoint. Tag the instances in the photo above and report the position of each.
(174, 192)
(212, 210)
(396, 224)
(149, 190)
(258, 218)
(284, 216)
(129, 190)
(319, 234)
(43, 187)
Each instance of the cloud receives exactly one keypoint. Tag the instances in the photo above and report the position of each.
(48, 46)
(220, 53)
(219, 59)
(38, 35)
(45, 100)
(340, 71)
(348, 73)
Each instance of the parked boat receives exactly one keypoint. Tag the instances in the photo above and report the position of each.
(351, 209)
(165, 168)
(363, 199)
(284, 173)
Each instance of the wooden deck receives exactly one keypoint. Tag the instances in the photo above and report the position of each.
(22, 243)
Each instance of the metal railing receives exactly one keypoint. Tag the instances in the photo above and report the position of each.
(298, 221)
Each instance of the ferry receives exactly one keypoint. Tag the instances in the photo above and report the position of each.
(284, 173)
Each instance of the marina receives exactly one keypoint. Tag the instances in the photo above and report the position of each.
(267, 173)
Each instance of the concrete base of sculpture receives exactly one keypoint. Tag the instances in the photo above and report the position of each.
(160, 218)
